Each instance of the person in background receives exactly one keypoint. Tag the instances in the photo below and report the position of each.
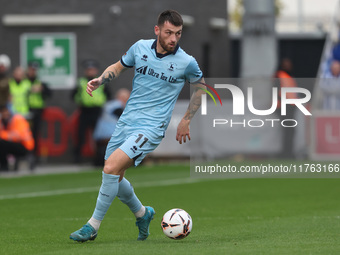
(38, 93)
(15, 136)
(90, 107)
(336, 52)
(5, 64)
(107, 123)
(286, 80)
(330, 86)
(19, 88)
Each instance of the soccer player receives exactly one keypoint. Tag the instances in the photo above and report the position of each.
(161, 70)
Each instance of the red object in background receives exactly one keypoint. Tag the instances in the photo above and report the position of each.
(88, 148)
(47, 145)
(328, 135)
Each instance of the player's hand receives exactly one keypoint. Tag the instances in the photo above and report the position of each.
(183, 131)
(92, 85)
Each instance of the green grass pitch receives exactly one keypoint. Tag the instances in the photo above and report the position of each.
(230, 216)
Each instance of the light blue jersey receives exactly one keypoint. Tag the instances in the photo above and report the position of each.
(157, 83)
(158, 80)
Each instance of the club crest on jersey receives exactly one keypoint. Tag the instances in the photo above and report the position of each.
(144, 58)
(172, 66)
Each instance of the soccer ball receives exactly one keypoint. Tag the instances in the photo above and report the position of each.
(176, 223)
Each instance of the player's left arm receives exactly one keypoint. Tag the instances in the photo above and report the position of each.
(183, 129)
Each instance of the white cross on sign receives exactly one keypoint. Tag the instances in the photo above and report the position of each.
(48, 52)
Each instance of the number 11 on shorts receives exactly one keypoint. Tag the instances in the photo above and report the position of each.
(140, 136)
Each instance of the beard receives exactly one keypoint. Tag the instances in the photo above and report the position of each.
(165, 46)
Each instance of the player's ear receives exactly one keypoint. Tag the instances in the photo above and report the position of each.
(157, 30)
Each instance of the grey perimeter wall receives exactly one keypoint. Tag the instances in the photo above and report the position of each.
(110, 36)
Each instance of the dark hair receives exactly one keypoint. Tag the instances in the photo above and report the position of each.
(90, 63)
(171, 16)
(34, 64)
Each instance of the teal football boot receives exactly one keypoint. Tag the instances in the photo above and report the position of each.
(143, 223)
(87, 232)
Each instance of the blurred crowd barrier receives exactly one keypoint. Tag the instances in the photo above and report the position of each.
(59, 130)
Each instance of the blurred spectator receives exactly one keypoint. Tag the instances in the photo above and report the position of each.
(90, 107)
(286, 80)
(330, 85)
(15, 136)
(336, 52)
(5, 64)
(36, 100)
(19, 89)
(107, 123)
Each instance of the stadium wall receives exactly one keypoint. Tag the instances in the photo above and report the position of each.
(110, 35)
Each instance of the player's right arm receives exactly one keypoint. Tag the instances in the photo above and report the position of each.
(110, 73)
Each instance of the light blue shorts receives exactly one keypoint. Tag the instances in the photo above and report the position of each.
(136, 142)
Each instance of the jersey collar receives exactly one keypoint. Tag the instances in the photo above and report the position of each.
(159, 55)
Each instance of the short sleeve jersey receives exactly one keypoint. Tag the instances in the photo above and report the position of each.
(158, 80)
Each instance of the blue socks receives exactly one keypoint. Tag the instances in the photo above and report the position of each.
(110, 188)
(127, 195)
(108, 191)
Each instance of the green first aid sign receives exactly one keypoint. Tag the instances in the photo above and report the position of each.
(56, 55)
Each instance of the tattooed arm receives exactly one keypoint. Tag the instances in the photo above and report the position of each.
(110, 73)
(183, 129)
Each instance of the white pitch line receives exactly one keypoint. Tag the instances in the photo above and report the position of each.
(92, 189)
